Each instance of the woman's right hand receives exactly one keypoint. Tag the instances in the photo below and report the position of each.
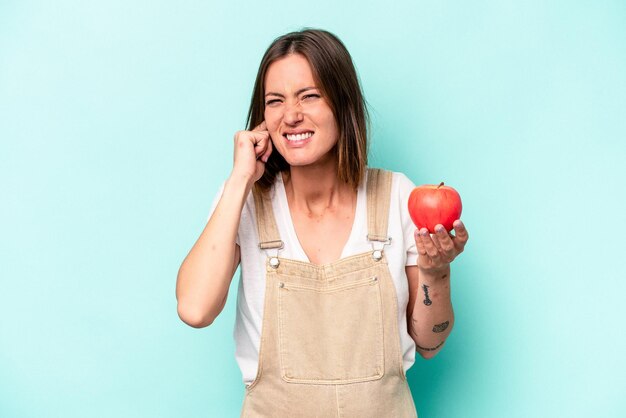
(252, 149)
(207, 272)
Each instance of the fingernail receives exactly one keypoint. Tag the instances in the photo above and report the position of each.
(439, 228)
(424, 232)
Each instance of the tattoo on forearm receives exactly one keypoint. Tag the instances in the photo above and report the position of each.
(441, 327)
(427, 301)
(430, 349)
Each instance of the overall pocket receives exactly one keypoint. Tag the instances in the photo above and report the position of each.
(331, 335)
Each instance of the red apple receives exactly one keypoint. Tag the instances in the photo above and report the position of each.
(430, 205)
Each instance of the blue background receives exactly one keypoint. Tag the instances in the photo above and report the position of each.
(116, 127)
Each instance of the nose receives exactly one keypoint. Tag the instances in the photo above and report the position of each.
(293, 114)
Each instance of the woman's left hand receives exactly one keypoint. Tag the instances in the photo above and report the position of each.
(436, 252)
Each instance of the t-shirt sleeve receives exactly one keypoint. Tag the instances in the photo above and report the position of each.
(405, 187)
(216, 200)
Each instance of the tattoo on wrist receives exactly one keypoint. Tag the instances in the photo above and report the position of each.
(427, 301)
(430, 349)
(441, 327)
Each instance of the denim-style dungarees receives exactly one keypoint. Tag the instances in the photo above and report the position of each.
(330, 345)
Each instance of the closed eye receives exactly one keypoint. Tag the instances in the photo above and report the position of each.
(309, 96)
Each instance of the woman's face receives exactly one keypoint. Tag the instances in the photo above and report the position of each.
(299, 119)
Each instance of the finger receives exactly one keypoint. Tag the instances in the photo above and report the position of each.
(259, 139)
(243, 137)
(446, 246)
(461, 235)
(260, 127)
(260, 146)
(421, 250)
(268, 151)
(429, 245)
(435, 239)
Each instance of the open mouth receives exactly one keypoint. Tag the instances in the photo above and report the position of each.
(298, 137)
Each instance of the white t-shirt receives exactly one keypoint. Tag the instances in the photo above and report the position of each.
(251, 291)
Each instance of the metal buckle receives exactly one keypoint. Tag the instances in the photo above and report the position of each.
(274, 261)
(377, 253)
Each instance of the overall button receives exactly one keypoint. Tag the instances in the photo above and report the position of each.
(274, 262)
(377, 255)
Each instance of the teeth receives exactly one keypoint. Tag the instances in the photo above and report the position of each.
(299, 137)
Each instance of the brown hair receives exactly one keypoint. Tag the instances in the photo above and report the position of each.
(336, 77)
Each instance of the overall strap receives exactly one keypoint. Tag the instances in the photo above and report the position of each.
(378, 197)
(266, 223)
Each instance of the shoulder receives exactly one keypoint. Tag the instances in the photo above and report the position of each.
(400, 224)
(401, 188)
(401, 184)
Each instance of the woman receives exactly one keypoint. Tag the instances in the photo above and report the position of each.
(333, 300)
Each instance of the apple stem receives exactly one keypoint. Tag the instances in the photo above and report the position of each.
(440, 184)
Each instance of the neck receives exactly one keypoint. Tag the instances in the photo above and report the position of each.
(315, 189)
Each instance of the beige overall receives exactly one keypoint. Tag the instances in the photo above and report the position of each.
(330, 345)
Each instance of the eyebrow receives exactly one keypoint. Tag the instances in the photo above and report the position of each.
(302, 90)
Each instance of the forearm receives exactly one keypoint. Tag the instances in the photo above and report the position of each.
(432, 315)
(205, 275)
